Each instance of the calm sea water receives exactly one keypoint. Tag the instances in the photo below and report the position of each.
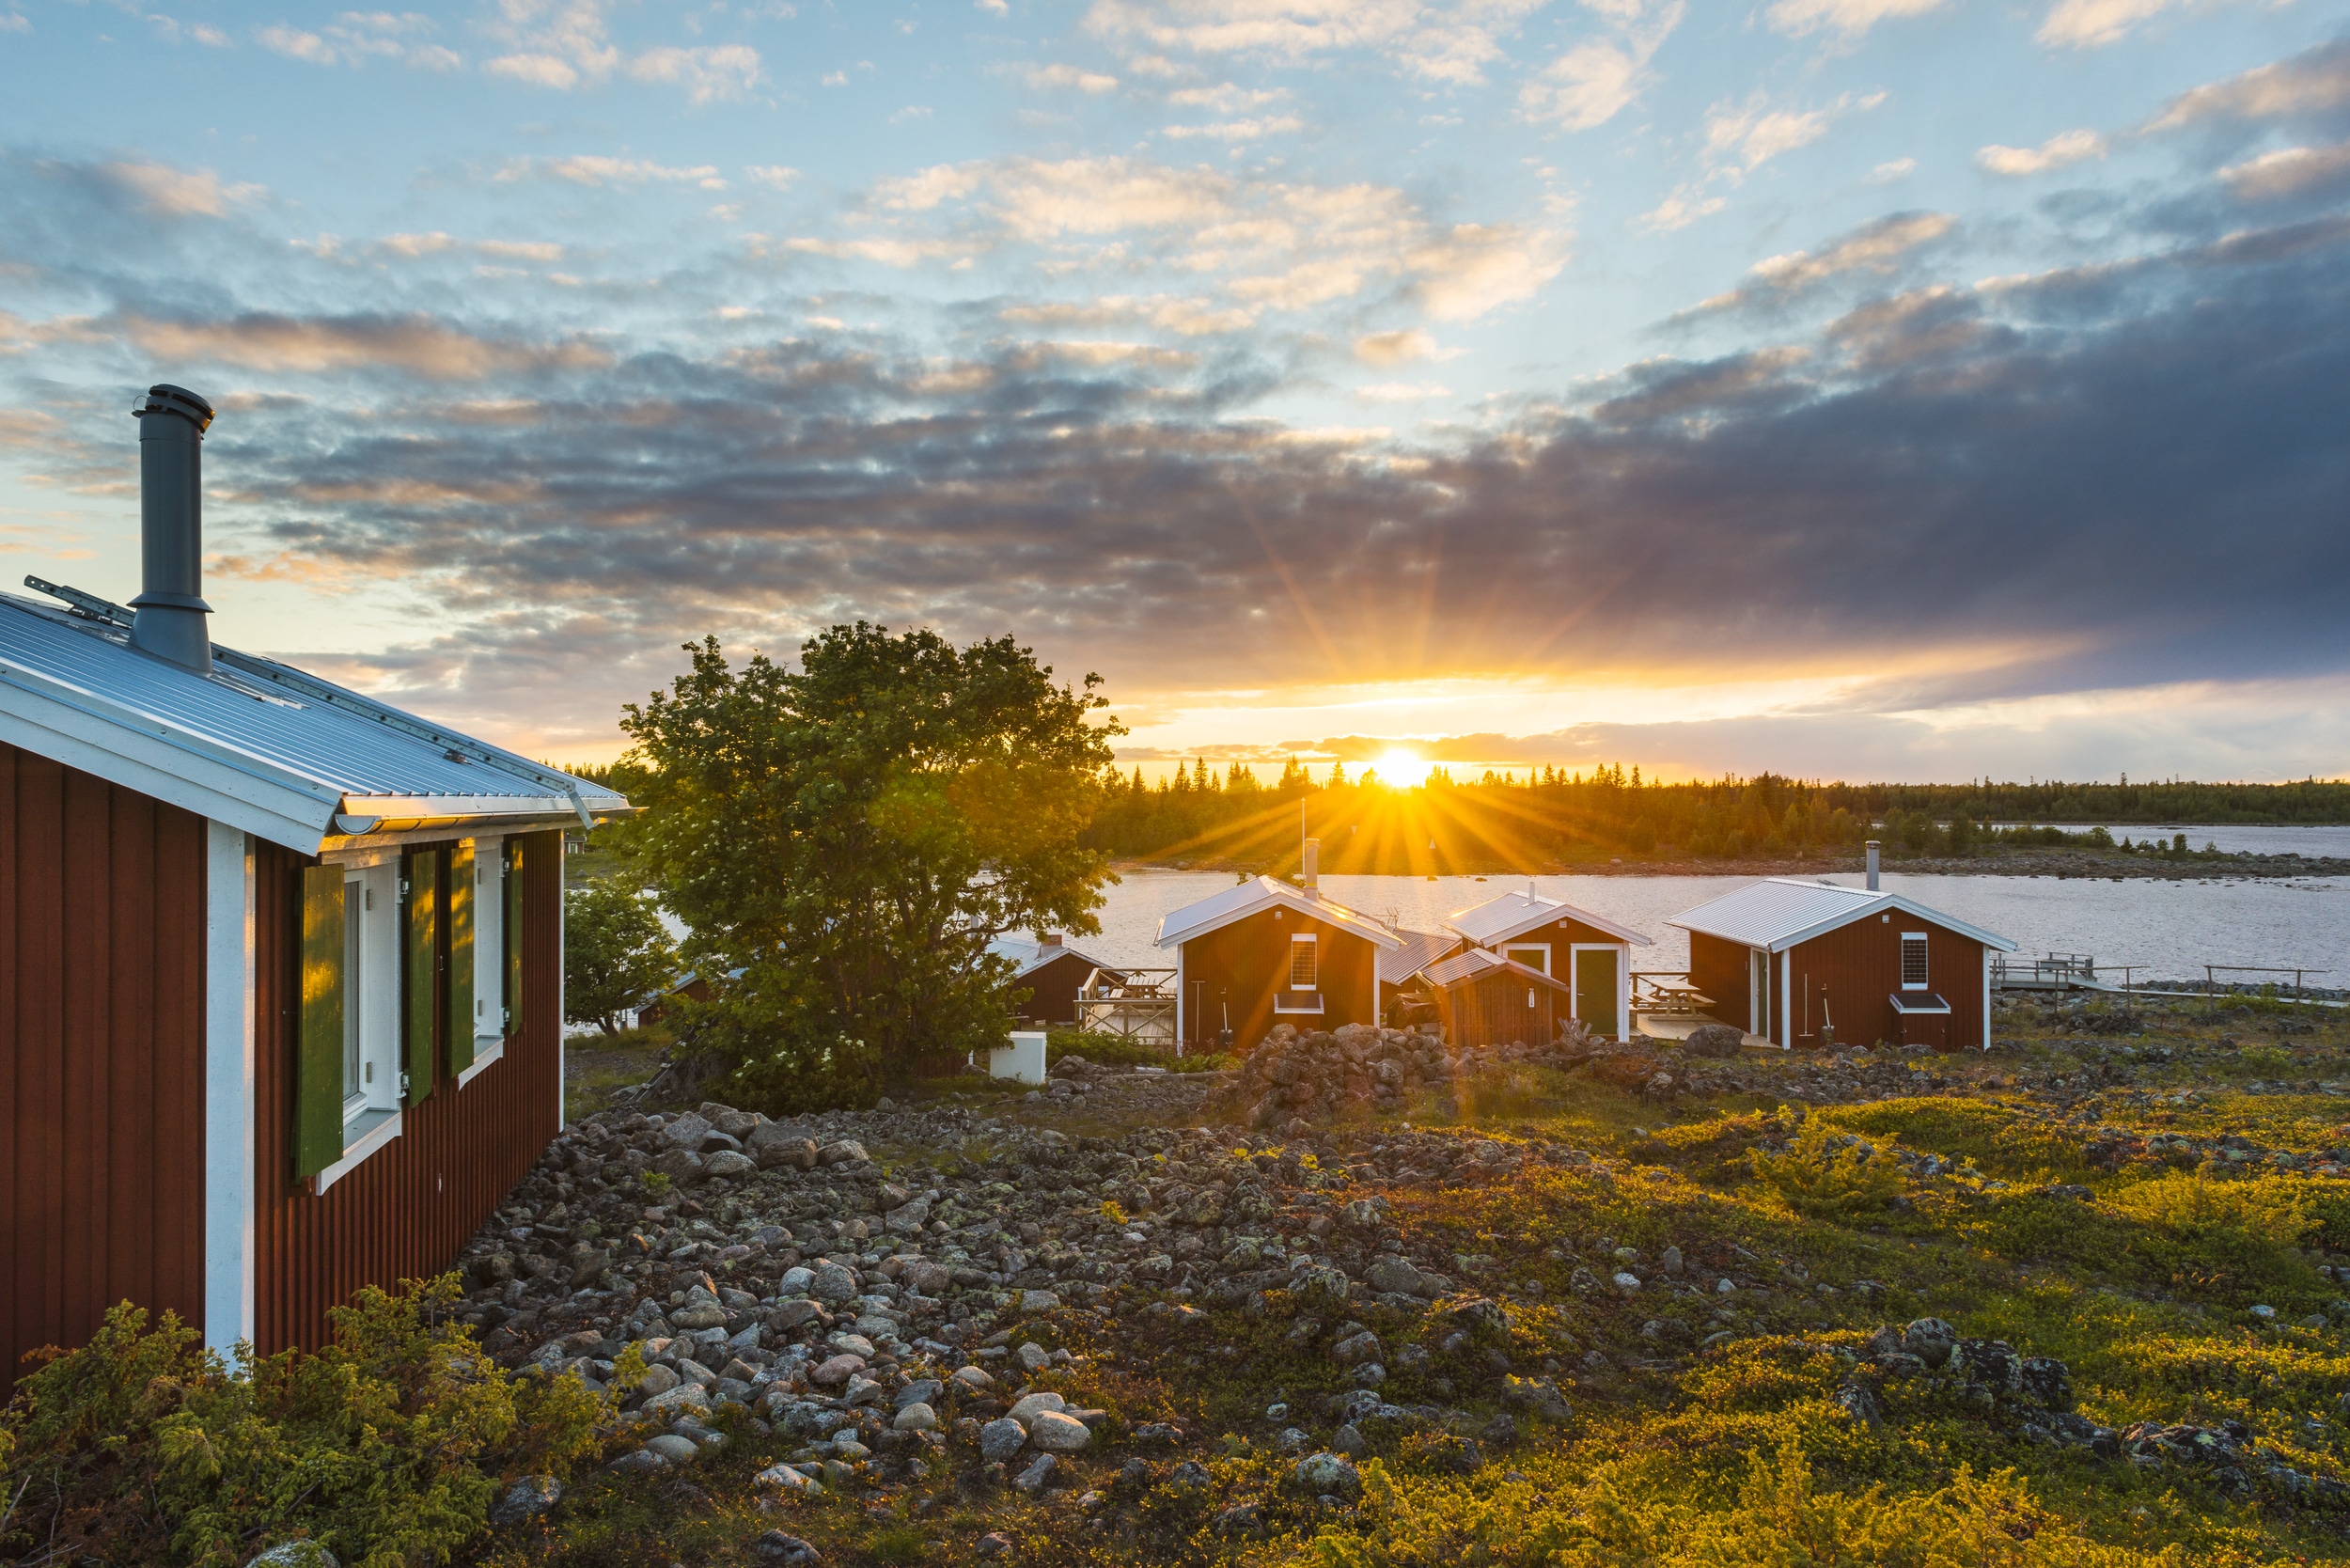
(2171, 927)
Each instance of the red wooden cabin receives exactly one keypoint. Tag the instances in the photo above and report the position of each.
(281, 967)
(1791, 959)
(1484, 999)
(1589, 952)
(1261, 953)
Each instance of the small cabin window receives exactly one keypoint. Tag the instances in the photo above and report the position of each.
(1304, 963)
(1534, 955)
(354, 992)
(1913, 961)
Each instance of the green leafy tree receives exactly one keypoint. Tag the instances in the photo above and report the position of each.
(843, 840)
(616, 952)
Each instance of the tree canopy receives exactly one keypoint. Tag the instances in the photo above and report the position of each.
(616, 952)
(843, 840)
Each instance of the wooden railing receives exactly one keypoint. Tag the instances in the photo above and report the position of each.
(1133, 1004)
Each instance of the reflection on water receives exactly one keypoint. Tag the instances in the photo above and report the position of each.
(2174, 927)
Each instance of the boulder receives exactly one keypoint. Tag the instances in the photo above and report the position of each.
(1355, 1349)
(908, 1218)
(726, 1162)
(918, 1416)
(775, 1149)
(832, 1284)
(680, 1166)
(297, 1554)
(1000, 1438)
(676, 1449)
(784, 1551)
(784, 1478)
(846, 1150)
(1032, 1405)
(1032, 1480)
(1328, 1474)
(1057, 1431)
(835, 1371)
(685, 1396)
(1717, 1040)
(686, 1131)
(1931, 1340)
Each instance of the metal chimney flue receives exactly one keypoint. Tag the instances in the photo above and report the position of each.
(170, 619)
(1312, 864)
(1873, 866)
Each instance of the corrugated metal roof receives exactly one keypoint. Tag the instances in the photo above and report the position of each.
(295, 737)
(1779, 912)
(1497, 919)
(1421, 948)
(1478, 963)
(1257, 894)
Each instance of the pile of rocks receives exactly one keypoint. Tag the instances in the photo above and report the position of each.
(1303, 1077)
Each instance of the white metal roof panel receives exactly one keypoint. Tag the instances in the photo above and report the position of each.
(1479, 962)
(1421, 948)
(1778, 913)
(1497, 919)
(1032, 955)
(1255, 895)
(257, 743)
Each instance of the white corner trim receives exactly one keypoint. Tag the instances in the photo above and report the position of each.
(228, 1087)
(482, 1062)
(380, 1128)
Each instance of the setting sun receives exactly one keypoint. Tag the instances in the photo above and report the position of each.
(1405, 770)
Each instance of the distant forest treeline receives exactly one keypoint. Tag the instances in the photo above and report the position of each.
(1552, 816)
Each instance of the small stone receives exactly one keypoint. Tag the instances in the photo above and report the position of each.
(1355, 1349)
(1000, 1438)
(832, 1284)
(916, 1417)
(835, 1371)
(1326, 1473)
(526, 1498)
(1627, 1282)
(973, 1378)
(676, 1449)
(1033, 1357)
(784, 1478)
(1032, 1405)
(1348, 1440)
(1038, 1301)
(685, 1396)
(994, 1543)
(845, 1151)
(785, 1551)
(297, 1554)
(1057, 1431)
(726, 1162)
(658, 1380)
(1931, 1340)
(635, 1462)
(1032, 1480)
(2265, 1313)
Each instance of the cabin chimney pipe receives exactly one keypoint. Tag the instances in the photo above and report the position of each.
(169, 622)
(1313, 858)
(1872, 865)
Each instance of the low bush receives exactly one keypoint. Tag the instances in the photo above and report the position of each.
(386, 1447)
(1821, 1180)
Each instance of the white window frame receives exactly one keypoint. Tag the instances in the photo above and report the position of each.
(373, 996)
(488, 957)
(1919, 937)
(1510, 950)
(1313, 942)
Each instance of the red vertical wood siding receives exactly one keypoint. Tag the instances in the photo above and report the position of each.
(1719, 970)
(403, 1212)
(1490, 1010)
(1857, 968)
(1244, 964)
(102, 1054)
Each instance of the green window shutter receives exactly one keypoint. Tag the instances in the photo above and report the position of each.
(461, 1022)
(511, 928)
(318, 1054)
(420, 954)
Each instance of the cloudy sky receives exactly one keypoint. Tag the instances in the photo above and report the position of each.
(1884, 388)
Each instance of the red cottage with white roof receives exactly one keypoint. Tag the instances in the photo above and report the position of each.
(1588, 955)
(1793, 960)
(1261, 953)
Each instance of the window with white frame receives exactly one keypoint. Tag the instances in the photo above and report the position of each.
(1534, 955)
(1913, 961)
(1305, 963)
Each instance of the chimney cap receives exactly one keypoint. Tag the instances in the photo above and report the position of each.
(163, 398)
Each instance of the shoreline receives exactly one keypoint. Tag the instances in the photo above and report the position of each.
(2085, 865)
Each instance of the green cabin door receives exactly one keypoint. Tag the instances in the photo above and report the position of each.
(1596, 991)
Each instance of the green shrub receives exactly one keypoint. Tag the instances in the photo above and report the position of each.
(1820, 1181)
(386, 1447)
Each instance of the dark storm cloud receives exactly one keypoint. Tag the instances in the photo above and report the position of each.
(2106, 476)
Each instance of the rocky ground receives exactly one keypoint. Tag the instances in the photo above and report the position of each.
(1145, 1316)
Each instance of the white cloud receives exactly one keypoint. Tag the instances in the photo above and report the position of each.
(2287, 172)
(1227, 99)
(1595, 81)
(416, 244)
(1874, 248)
(992, 7)
(1401, 392)
(1739, 139)
(2067, 146)
(2091, 23)
(15, 21)
(836, 79)
(1235, 130)
(593, 169)
(707, 75)
(1474, 268)
(354, 38)
(2317, 82)
(522, 250)
(181, 192)
(1886, 173)
(911, 114)
(779, 176)
(1850, 18)
(1394, 348)
(1043, 78)
(1443, 43)
(563, 44)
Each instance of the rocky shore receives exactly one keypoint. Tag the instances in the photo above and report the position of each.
(2039, 862)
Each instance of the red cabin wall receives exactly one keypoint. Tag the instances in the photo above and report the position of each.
(101, 1055)
(1245, 962)
(406, 1211)
(1490, 1010)
(1053, 989)
(1719, 970)
(1859, 967)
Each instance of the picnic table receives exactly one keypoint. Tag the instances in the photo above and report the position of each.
(1679, 998)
